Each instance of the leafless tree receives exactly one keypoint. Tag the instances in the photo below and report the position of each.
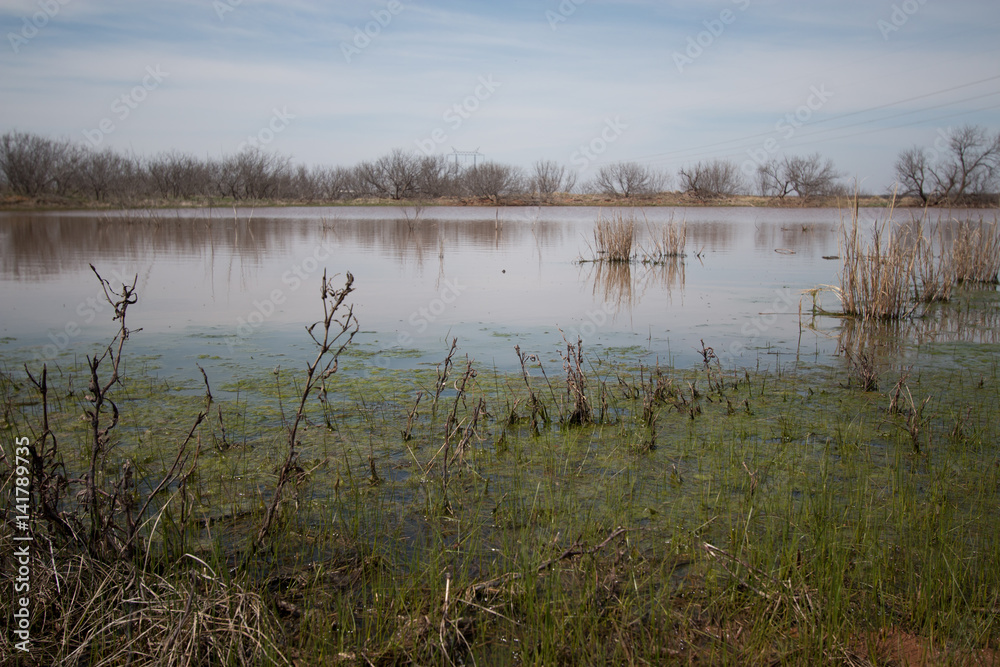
(549, 177)
(718, 178)
(107, 174)
(913, 174)
(812, 175)
(177, 175)
(493, 180)
(807, 176)
(336, 183)
(770, 179)
(252, 174)
(435, 177)
(627, 179)
(34, 165)
(393, 175)
(969, 167)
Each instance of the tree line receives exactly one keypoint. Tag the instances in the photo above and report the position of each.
(960, 167)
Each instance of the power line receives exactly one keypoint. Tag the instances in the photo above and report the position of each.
(822, 120)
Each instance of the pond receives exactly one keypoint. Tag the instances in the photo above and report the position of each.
(639, 484)
(239, 286)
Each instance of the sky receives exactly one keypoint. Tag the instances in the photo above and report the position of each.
(581, 82)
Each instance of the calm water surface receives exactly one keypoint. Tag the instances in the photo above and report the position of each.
(239, 288)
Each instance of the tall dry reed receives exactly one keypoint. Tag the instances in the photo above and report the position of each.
(976, 252)
(878, 272)
(935, 275)
(668, 241)
(614, 236)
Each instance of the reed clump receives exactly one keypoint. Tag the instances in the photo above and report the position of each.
(888, 273)
(878, 273)
(668, 242)
(615, 240)
(614, 237)
(976, 252)
(936, 274)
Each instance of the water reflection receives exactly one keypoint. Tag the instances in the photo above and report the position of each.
(969, 319)
(622, 285)
(510, 274)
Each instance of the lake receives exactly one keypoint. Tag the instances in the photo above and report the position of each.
(228, 288)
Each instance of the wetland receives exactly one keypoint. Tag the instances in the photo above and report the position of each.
(494, 446)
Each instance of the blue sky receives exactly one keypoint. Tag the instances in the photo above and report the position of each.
(582, 82)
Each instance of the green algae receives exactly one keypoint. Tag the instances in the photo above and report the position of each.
(783, 501)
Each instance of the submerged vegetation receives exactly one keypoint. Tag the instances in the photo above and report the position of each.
(618, 512)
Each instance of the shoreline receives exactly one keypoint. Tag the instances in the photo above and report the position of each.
(667, 199)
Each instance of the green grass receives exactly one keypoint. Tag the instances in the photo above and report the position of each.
(724, 516)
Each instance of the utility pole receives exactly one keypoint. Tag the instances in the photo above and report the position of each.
(465, 155)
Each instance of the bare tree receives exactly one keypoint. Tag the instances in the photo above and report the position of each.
(35, 165)
(627, 179)
(812, 176)
(770, 179)
(718, 178)
(913, 174)
(334, 183)
(106, 173)
(393, 175)
(435, 178)
(969, 167)
(177, 175)
(252, 174)
(493, 180)
(807, 176)
(548, 177)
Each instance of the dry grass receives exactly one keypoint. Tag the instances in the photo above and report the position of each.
(614, 237)
(876, 280)
(668, 242)
(976, 252)
(888, 273)
(96, 613)
(935, 275)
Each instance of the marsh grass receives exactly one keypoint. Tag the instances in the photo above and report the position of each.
(615, 240)
(878, 270)
(704, 515)
(614, 237)
(892, 270)
(667, 242)
(935, 275)
(976, 252)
